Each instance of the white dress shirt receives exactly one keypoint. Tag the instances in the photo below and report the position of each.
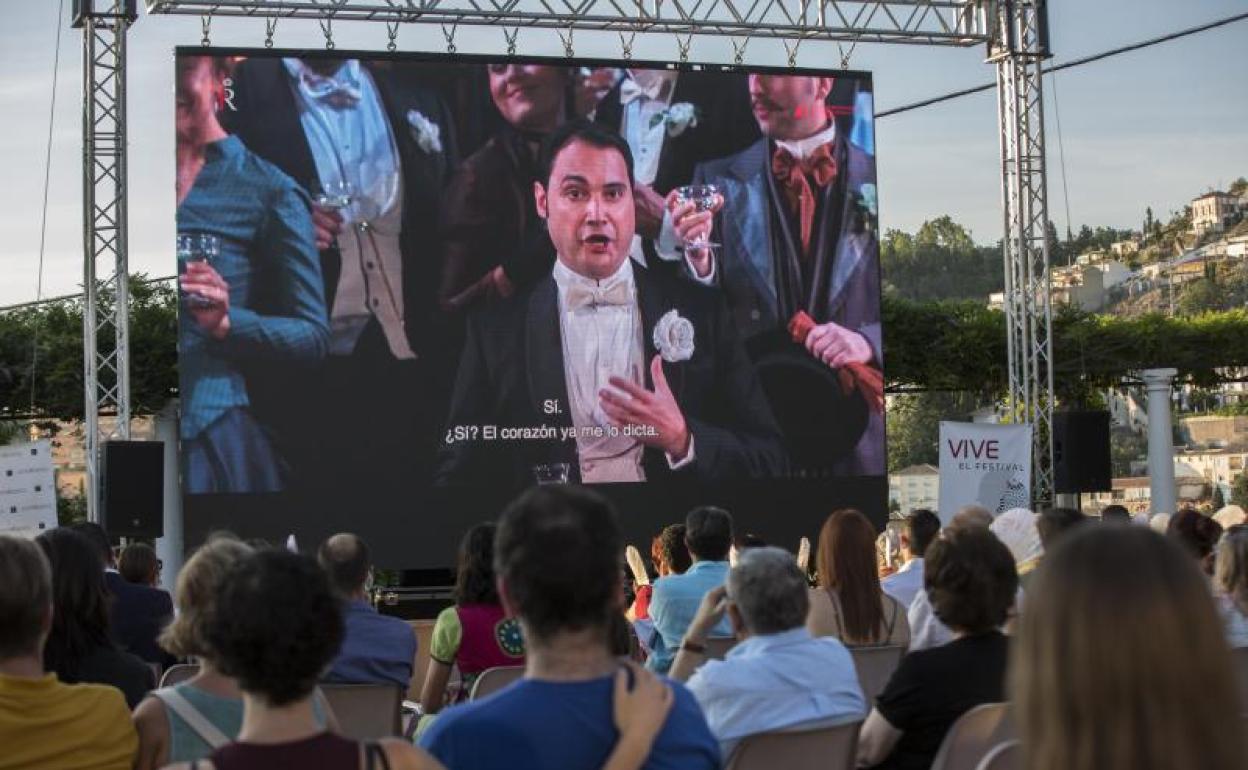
(350, 138)
(602, 340)
(927, 631)
(776, 681)
(644, 95)
(904, 584)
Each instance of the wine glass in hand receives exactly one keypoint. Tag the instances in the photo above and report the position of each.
(704, 198)
(197, 247)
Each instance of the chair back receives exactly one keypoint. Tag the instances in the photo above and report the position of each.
(875, 666)
(974, 736)
(365, 712)
(1003, 756)
(178, 673)
(823, 748)
(717, 647)
(494, 679)
(1240, 659)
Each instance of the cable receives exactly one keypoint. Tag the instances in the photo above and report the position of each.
(1061, 155)
(1073, 63)
(43, 217)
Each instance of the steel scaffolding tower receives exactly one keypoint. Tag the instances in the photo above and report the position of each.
(106, 367)
(1014, 30)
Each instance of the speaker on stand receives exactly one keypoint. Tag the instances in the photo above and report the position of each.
(132, 492)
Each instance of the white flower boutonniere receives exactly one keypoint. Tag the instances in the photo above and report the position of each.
(678, 117)
(428, 135)
(673, 337)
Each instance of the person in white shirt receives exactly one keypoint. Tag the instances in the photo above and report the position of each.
(603, 371)
(1230, 584)
(919, 530)
(778, 676)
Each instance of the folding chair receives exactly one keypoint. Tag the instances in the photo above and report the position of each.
(494, 679)
(177, 673)
(1003, 756)
(365, 712)
(875, 666)
(823, 748)
(973, 736)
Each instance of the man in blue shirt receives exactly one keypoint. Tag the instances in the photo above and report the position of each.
(557, 556)
(376, 648)
(708, 536)
(778, 676)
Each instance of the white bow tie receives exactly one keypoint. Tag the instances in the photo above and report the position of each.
(582, 296)
(338, 93)
(631, 90)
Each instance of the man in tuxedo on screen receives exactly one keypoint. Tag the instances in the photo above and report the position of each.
(673, 120)
(603, 367)
(375, 152)
(797, 226)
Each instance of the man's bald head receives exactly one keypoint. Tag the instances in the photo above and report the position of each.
(971, 516)
(345, 558)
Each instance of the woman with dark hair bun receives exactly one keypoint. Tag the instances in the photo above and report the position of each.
(475, 634)
(80, 647)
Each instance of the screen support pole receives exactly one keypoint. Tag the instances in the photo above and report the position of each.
(106, 282)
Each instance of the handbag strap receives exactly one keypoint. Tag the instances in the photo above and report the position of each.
(199, 724)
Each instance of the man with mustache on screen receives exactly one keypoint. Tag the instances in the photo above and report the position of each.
(603, 368)
(797, 226)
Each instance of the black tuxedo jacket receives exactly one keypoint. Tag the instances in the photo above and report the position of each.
(266, 118)
(511, 373)
(726, 124)
(137, 615)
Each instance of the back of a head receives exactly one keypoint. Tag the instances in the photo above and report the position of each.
(970, 579)
(198, 585)
(98, 538)
(1194, 531)
(708, 533)
(138, 563)
(971, 516)
(769, 590)
(920, 528)
(1115, 514)
(79, 600)
(675, 552)
(275, 625)
(1120, 662)
(1017, 529)
(1230, 573)
(845, 561)
(557, 552)
(25, 596)
(1055, 523)
(474, 575)
(346, 562)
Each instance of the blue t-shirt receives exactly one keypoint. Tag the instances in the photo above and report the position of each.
(562, 726)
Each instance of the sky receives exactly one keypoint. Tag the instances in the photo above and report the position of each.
(1152, 128)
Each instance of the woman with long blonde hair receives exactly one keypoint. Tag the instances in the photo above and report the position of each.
(848, 603)
(1121, 663)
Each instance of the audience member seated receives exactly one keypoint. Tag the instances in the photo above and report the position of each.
(742, 542)
(476, 633)
(778, 676)
(170, 720)
(926, 630)
(1115, 514)
(848, 604)
(80, 647)
(670, 557)
(1230, 584)
(274, 626)
(971, 581)
(1121, 663)
(917, 532)
(43, 722)
(376, 648)
(138, 611)
(557, 553)
(708, 537)
(1198, 534)
(1016, 529)
(139, 566)
(1053, 524)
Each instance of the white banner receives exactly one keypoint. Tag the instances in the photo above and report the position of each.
(988, 465)
(27, 489)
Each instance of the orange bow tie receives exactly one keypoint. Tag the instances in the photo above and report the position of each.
(795, 177)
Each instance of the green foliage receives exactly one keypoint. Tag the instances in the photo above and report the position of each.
(1125, 446)
(1239, 491)
(914, 425)
(939, 262)
(70, 510)
(1219, 500)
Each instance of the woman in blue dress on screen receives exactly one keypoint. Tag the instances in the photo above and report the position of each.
(250, 287)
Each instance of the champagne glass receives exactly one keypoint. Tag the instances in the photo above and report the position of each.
(702, 196)
(197, 247)
(552, 473)
(336, 195)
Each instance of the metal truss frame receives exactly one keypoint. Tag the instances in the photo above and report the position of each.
(1014, 30)
(1018, 49)
(106, 275)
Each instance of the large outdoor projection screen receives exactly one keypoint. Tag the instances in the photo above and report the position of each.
(413, 286)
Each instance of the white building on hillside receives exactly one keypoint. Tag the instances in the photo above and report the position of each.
(917, 486)
(1213, 211)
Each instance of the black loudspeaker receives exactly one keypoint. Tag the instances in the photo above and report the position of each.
(1081, 452)
(132, 494)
